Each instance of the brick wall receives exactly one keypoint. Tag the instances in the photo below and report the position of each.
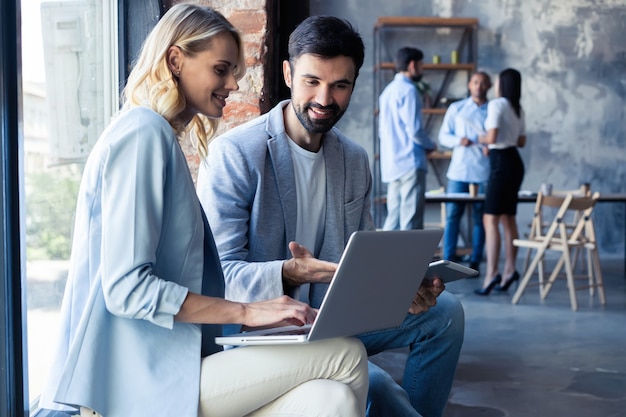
(250, 18)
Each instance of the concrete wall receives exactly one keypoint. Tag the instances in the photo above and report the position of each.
(572, 57)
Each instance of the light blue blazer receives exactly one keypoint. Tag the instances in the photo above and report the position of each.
(137, 251)
(248, 191)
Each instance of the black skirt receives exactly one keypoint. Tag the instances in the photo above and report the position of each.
(505, 180)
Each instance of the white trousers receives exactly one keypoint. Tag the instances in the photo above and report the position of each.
(405, 202)
(321, 379)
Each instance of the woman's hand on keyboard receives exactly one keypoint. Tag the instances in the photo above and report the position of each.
(277, 312)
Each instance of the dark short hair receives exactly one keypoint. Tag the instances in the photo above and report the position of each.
(482, 74)
(327, 37)
(510, 85)
(405, 55)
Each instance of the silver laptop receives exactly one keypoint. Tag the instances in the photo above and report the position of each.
(375, 282)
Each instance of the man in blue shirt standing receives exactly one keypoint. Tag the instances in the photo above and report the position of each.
(404, 143)
(459, 131)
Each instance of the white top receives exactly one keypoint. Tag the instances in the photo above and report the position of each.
(501, 115)
(310, 175)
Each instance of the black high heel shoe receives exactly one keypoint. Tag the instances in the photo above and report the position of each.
(508, 282)
(485, 291)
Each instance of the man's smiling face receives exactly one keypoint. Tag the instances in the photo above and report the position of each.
(320, 89)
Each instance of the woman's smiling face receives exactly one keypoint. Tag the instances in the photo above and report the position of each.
(207, 78)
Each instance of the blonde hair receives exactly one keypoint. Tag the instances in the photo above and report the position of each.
(151, 82)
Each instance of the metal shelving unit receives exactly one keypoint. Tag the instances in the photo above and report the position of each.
(433, 35)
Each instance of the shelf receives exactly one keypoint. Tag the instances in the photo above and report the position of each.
(440, 155)
(438, 111)
(433, 67)
(399, 21)
(449, 67)
(433, 155)
(445, 79)
(433, 111)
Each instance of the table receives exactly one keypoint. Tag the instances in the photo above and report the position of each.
(523, 197)
(443, 197)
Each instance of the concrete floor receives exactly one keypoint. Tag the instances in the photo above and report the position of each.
(539, 359)
(533, 359)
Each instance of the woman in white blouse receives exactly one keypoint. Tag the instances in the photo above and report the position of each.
(506, 132)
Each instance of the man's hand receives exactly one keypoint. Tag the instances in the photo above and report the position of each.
(426, 296)
(304, 267)
(465, 142)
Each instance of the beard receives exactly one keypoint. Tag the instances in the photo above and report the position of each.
(318, 125)
(416, 77)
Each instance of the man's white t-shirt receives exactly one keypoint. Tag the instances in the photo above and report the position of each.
(310, 172)
(310, 177)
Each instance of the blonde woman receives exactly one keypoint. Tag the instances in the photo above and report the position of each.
(144, 297)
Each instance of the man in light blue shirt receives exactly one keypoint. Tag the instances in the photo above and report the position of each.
(459, 131)
(404, 144)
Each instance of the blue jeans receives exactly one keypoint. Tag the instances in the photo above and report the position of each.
(405, 202)
(454, 213)
(434, 339)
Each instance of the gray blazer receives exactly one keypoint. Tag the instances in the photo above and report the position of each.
(247, 189)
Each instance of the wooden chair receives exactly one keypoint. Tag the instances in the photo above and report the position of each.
(583, 191)
(538, 228)
(558, 237)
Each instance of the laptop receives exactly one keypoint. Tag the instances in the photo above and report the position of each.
(376, 280)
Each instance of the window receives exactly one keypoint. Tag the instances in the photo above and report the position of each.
(69, 73)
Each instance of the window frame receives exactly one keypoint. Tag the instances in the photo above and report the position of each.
(13, 393)
(11, 351)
